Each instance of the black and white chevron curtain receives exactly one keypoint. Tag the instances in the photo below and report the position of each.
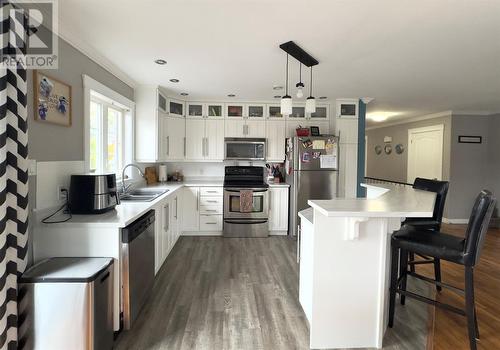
(13, 172)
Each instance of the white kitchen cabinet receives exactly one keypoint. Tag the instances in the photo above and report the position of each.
(235, 128)
(255, 128)
(235, 110)
(255, 110)
(202, 210)
(195, 110)
(306, 249)
(174, 131)
(278, 210)
(214, 144)
(275, 135)
(322, 113)
(195, 139)
(204, 139)
(167, 228)
(190, 209)
(214, 110)
(176, 108)
(245, 128)
(149, 124)
(273, 111)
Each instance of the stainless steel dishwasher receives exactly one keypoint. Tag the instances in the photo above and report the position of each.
(138, 265)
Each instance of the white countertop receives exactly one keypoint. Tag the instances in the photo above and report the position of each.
(399, 201)
(307, 214)
(128, 211)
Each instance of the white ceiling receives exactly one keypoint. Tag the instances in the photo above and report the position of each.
(414, 58)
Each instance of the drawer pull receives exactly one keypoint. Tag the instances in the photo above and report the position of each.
(212, 202)
(210, 210)
(211, 223)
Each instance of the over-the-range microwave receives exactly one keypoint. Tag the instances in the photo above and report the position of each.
(236, 148)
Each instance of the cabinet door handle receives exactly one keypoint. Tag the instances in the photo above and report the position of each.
(168, 145)
(198, 201)
(184, 146)
(176, 208)
(207, 148)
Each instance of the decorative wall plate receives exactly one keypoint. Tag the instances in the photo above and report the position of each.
(388, 149)
(378, 149)
(399, 148)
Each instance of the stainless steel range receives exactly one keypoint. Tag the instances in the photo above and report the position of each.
(251, 221)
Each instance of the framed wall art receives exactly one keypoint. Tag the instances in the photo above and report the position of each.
(52, 100)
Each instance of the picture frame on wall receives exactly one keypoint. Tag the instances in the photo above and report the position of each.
(52, 100)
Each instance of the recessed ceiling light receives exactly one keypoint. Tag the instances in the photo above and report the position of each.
(323, 97)
(277, 87)
(184, 94)
(231, 95)
(174, 80)
(277, 96)
(160, 61)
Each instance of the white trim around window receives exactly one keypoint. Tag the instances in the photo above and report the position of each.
(93, 88)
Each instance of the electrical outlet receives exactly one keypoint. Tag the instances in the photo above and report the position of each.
(62, 193)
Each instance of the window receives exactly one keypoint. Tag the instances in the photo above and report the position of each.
(107, 137)
(108, 128)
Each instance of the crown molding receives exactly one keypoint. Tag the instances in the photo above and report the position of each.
(479, 113)
(89, 51)
(413, 119)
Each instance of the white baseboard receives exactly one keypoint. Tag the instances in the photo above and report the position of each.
(455, 221)
(219, 233)
(201, 233)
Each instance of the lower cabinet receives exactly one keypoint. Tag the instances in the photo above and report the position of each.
(278, 210)
(202, 210)
(167, 227)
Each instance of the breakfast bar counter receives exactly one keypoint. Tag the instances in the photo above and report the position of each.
(345, 261)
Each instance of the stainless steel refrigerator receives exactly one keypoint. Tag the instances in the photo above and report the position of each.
(311, 169)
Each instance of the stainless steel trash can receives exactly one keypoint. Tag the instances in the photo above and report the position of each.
(68, 304)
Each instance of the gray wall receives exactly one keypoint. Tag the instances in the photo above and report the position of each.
(469, 164)
(50, 142)
(394, 166)
(468, 167)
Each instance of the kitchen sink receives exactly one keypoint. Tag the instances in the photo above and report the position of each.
(142, 195)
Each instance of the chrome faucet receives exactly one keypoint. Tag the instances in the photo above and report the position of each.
(124, 186)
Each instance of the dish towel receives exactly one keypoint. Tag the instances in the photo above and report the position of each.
(246, 201)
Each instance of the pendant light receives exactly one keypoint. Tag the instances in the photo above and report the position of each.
(300, 85)
(311, 101)
(286, 101)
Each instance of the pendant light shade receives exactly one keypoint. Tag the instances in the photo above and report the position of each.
(311, 101)
(286, 105)
(286, 101)
(310, 105)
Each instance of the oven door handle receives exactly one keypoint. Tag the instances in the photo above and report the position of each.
(245, 222)
(254, 191)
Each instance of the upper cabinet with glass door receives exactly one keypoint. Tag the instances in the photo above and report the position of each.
(322, 113)
(176, 108)
(298, 112)
(161, 101)
(274, 112)
(199, 110)
(235, 110)
(195, 110)
(256, 111)
(214, 110)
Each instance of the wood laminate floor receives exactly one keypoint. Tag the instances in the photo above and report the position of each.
(450, 330)
(232, 293)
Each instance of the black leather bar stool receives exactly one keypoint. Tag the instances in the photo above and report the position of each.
(466, 252)
(434, 223)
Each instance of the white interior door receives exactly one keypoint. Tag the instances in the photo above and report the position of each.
(425, 153)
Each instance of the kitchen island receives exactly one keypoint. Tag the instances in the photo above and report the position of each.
(345, 263)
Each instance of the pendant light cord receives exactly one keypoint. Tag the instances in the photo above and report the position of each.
(300, 72)
(311, 87)
(286, 91)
